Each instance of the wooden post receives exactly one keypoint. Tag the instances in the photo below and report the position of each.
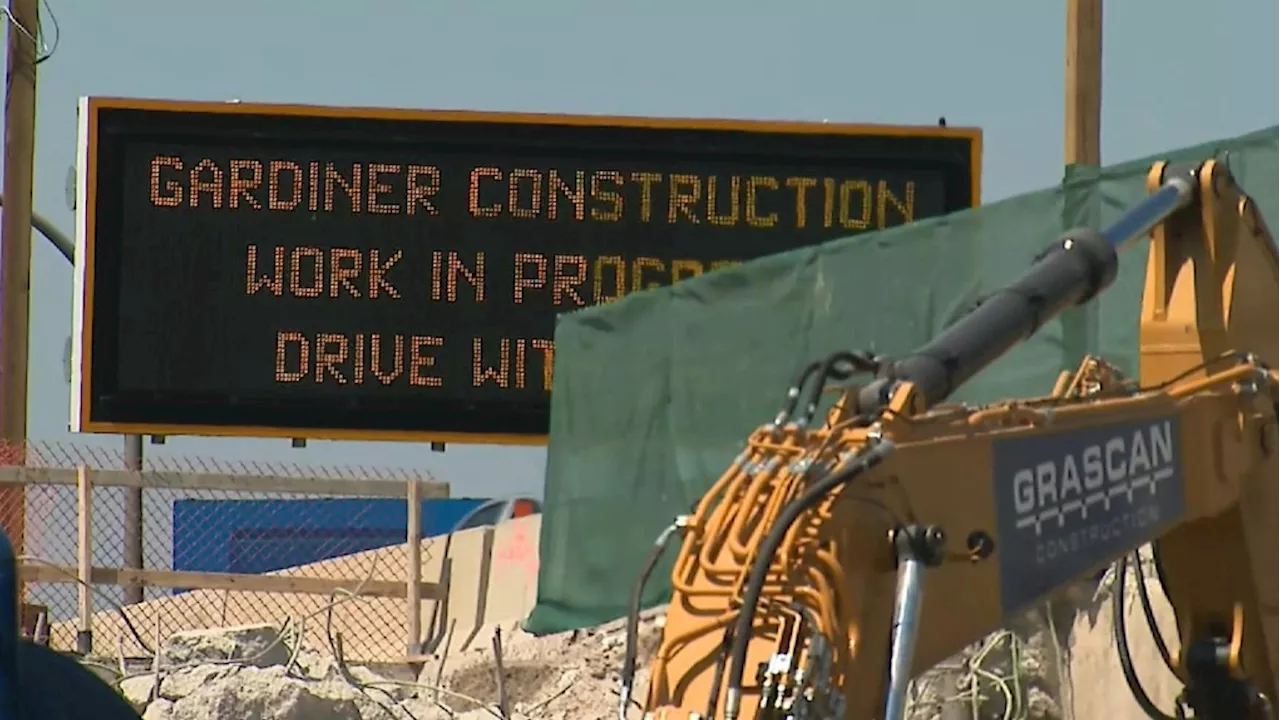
(15, 254)
(413, 568)
(1084, 83)
(84, 566)
(1082, 147)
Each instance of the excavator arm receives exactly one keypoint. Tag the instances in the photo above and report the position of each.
(838, 558)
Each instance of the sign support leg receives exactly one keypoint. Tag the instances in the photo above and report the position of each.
(133, 518)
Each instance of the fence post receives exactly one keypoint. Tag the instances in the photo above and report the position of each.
(413, 572)
(84, 569)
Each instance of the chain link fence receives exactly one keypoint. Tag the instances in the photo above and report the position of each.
(220, 544)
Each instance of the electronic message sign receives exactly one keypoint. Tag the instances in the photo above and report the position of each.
(310, 272)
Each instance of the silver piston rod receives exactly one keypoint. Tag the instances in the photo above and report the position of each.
(917, 548)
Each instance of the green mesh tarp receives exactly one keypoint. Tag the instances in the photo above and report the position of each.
(656, 393)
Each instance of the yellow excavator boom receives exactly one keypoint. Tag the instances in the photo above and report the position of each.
(842, 555)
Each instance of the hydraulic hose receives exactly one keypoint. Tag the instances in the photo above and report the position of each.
(871, 457)
(1149, 614)
(839, 365)
(713, 696)
(824, 370)
(1122, 644)
(1155, 559)
(793, 394)
(627, 678)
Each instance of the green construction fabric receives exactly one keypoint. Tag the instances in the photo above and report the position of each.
(656, 392)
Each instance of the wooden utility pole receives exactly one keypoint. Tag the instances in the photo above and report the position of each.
(1084, 83)
(15, 252)
(1083, 148)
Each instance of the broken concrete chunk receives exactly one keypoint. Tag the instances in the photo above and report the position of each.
(138, 690)
(178, 685)
(257, 695)
(159, 710)
(257, 645)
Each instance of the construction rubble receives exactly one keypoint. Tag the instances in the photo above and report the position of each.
(252, 673)
(249, 673)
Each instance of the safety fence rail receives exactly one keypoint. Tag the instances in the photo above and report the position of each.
(114, 561)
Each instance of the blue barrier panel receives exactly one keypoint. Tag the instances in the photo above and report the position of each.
(260, 536)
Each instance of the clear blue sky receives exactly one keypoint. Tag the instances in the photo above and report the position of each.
(1177, 72)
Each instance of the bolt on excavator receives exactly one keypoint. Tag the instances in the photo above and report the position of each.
(846, 551)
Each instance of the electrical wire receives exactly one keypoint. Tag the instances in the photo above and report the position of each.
(975, 674)
(42, 50)
(49, 50)
(1242, 358)
(873, 456)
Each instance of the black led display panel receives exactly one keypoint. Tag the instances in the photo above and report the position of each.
(282, 271)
